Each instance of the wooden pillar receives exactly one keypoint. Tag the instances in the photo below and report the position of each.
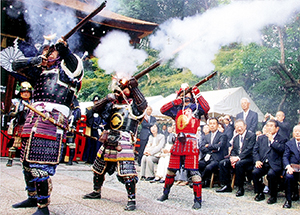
(10, 90)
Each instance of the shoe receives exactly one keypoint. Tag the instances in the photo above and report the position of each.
(143, 178)
(149, 178)
(130, 206)
(197, 205)
(287, 204)
(259, 197)
(162, 181)
(240, 192)
(163, 198)
(42, 211)
(155, 180)
(28, 203)
(92, 195)
(224, 189)
(272, 200)
(295, 197)
(69, 163)
(9, 163)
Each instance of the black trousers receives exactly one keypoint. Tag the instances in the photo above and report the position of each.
(291, 185)
(272, 176)
(241, 167)
(206, 168)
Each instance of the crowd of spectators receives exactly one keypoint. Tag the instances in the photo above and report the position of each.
(235, 150)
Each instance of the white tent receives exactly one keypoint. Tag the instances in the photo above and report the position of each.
(221, 102)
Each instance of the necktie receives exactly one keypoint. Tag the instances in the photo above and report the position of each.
(298, 144)
(241, 141)
(212, 138)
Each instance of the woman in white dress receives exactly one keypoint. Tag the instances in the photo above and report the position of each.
(164, 158)
(151, 153)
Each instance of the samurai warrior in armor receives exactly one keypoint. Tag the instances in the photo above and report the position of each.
(186, 110)
(123, 110)
(18, 113)
(56, 76)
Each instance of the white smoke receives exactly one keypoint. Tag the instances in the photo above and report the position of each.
(55, 19)
(201, 36)
(117, 55)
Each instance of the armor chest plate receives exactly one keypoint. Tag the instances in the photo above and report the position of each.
(122, 120)
(49, 88)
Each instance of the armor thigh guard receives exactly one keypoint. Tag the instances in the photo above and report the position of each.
(126, 168)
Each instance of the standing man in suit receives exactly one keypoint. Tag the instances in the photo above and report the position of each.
(291, 155)
(240, 158)
(213, 149)
(267, 155)
(145, 132)
(284, 126)
(249, 116)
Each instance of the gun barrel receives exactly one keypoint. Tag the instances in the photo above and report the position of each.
(85, 20)
(206, 79)
(147, 70)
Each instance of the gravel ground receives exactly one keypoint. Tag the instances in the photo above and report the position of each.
(71, 182)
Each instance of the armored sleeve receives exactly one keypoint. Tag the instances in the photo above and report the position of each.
(139, 99)
(99, 106)
(24, 63)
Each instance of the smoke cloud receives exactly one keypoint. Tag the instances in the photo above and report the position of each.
(195, 40)
(55, 20)
(117, 55)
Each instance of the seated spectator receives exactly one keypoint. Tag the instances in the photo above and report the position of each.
(213, 148)
(164, 158)
(151, 153)
(291, 155)
(240, 159)
(267, 156)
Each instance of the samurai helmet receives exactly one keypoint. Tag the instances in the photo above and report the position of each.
(26, 86)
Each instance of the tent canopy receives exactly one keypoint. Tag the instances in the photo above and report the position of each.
(227, 101)
(221, 102)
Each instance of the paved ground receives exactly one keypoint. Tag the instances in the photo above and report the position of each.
(71, 182)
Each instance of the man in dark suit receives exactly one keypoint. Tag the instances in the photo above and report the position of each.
(212, 150)
(267, 155)
(240, 158)
(249, 116)
(165, 132)
(284, 126)
(291, 155)
(145, 132)
(228, 127)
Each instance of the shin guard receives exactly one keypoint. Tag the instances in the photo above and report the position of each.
(197, 187)
(130, 183)
(169, 181)
(98, 181)
(30, 183)
(44, 188)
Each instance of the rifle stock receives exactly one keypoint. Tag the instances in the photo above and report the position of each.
(53, 121)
